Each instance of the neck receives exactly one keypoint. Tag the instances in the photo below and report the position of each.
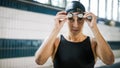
(76, 38)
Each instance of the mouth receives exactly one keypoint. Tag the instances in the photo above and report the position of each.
(75, 30)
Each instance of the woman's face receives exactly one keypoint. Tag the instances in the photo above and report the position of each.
(75, 24)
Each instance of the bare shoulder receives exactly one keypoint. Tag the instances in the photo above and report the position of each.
(57, 41)
(93, 41)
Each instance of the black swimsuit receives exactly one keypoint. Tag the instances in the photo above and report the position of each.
(74, 54)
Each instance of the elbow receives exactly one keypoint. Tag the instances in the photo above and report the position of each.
(39, 62)
(109, 63)
(38, 59)
(110, 60)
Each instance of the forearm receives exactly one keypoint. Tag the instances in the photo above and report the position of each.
(46, 49)
(103, 49)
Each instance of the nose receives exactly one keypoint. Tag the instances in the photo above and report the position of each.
(75, 23)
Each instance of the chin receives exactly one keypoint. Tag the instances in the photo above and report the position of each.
(75, 33)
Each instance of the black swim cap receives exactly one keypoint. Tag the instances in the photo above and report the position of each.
(75, 6)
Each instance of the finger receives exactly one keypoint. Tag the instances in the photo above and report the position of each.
(63, 21)
(61, 16)
(61, 13)
(87, 14)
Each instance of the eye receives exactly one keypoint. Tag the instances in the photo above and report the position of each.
(79, 19)
(71, 20)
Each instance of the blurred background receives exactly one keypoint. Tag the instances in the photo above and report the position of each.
(24, 24)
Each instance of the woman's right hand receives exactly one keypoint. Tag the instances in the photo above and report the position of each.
(60, 19)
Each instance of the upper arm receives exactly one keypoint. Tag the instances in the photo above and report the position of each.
(56, 44)
(93, 46)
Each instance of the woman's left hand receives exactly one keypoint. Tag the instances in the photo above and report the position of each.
(91, 22)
